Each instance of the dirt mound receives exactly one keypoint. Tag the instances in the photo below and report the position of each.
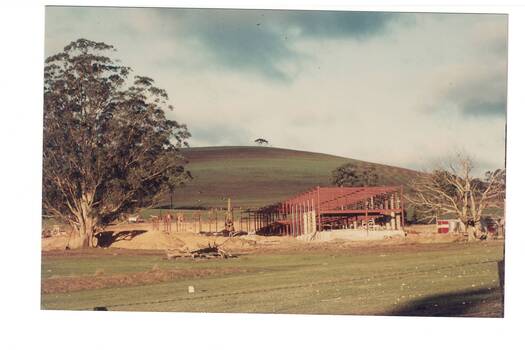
(140, 236)
(149, 240)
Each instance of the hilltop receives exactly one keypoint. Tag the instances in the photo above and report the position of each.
(256, 176)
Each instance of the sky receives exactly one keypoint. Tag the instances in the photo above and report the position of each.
(404, 89)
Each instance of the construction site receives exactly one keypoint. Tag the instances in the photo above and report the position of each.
(321, 213)
(352, 210)
(324, 245)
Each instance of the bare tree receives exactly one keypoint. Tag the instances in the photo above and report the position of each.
(109, 148)
(454, 190)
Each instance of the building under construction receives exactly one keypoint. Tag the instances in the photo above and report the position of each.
(333, 208)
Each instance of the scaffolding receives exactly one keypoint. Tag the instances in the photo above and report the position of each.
(331, 208)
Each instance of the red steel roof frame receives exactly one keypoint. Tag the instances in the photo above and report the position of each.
(329, 198)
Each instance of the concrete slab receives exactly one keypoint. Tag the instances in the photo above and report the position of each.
(352, 235)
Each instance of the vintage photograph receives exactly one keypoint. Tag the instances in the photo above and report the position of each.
(274, 161)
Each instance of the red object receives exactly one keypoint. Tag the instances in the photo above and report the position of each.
(492, 227)
(442, 226)
(333, 203)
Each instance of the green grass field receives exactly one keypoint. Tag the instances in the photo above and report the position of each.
(256, 176)
(432, 279)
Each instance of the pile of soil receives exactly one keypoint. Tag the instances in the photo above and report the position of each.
(150, 240)
(141, 236)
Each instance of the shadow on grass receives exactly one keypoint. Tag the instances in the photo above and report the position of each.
(107, 238)
(473, 303)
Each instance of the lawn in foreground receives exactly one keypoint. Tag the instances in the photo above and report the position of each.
(454, 280)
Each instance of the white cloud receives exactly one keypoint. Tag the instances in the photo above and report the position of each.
(395, 98)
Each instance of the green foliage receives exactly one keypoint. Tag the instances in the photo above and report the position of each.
(350, 175)
(108, 146)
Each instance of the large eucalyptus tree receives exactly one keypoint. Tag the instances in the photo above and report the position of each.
(109, 147)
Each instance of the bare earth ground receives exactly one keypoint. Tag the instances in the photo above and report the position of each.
(142, 237)
(422, 274)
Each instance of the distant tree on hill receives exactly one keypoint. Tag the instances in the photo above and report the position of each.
(351, 175)
(261, 142)
(108, 147)
(454, 190)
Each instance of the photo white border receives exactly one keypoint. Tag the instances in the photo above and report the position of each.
(26, 326)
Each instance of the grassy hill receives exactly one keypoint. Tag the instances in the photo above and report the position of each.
(257, 176)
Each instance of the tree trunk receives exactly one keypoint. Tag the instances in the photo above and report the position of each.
(471, 232)
(87, 225)
(478, 232)
(462, 227)
(86, 233)
(471, 236)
